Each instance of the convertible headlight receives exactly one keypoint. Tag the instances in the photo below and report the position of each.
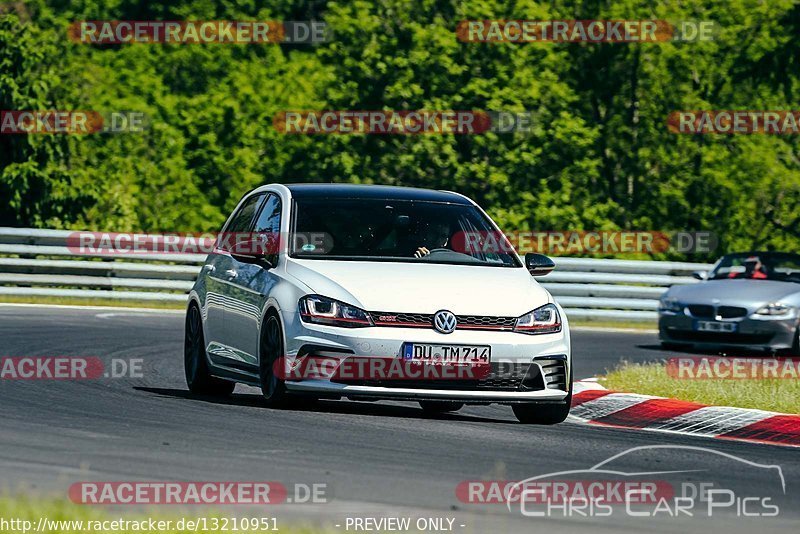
(670, 304)
(322, 310)
(775, 308)
(544, 320)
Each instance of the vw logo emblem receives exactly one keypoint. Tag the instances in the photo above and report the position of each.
(444, 321)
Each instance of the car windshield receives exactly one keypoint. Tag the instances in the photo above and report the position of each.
(779, 266)
(393, 230)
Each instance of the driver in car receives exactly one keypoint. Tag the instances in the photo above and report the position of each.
(434, 236)
(753, 268)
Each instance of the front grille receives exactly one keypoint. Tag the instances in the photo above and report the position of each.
(704, 311)
(425, 320)
(479, 322)
(701, 310)
(502, 377)
(418, 320)
(731, 312)
(723, 338)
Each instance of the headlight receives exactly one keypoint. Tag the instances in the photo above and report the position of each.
(544, 320)
(775, 308)
(670, 304)
(322, 310)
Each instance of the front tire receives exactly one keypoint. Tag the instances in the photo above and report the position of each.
(543, 414)
(273, 388)
(195, 365)
(440, 406)
(795, 350)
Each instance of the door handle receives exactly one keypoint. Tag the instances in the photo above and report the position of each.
(231, 273)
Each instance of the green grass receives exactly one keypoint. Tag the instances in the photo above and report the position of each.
(33, 509)
(777, 395)
(72, 301)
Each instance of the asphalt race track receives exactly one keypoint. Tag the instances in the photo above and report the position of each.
(377, 459)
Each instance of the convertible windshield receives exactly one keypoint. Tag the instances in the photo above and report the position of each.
(393, 230)
(778, 266)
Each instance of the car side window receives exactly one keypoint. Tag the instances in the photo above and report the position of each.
(241, 222)
(268, 227)
(269, 220)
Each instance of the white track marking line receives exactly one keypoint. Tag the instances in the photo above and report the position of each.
(608, 404)
(713, 420)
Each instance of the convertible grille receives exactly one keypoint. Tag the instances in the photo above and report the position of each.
(701, 310)
(704, 311)
(425, 320)
(724, 338)
(731, 312)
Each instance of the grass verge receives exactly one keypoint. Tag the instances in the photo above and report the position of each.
(72, 301)
(777, 395)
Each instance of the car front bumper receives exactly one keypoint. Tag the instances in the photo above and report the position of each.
(530, 352)
(750, 333)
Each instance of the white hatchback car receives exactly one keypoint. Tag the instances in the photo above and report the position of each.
(312, 284)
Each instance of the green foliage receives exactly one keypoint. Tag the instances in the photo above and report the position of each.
(599, 155)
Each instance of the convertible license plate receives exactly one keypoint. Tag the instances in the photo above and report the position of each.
(447, 354)
(715, 326)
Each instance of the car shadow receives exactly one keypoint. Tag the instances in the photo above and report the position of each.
(343, 406)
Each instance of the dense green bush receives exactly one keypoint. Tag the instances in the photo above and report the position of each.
(599, 157)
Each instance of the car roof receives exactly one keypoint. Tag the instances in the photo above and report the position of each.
(382, 192)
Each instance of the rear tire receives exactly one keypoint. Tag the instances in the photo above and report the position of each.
(440, 406)
(542, 414)
(273, 388)
(195, 365)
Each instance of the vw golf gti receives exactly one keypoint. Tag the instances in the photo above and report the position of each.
(376, 292)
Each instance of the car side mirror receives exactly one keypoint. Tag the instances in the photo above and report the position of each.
(538, 264)
(258, 251)
(700, 275)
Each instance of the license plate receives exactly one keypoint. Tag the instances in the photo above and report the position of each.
(715, 326)
(447, 354)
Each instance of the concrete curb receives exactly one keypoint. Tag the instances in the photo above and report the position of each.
(596, 405)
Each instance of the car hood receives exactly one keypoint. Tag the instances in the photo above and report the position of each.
(423, 288)
(747, 293)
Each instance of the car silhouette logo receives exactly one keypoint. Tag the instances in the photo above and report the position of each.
(445, 322)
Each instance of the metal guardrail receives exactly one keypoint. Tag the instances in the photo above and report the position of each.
(39, 263)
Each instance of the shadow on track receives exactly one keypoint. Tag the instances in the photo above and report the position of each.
(324, 406)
